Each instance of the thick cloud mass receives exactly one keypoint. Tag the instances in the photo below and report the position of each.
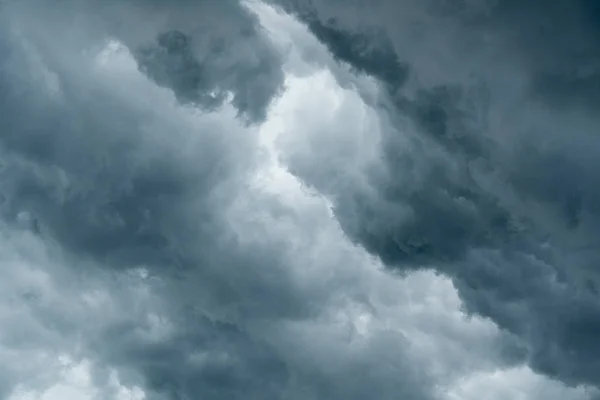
(198, 199)
(137, 238)
(489, 159)
(202, 60)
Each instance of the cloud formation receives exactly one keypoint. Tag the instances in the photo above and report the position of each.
(488, 160)
(197, 198)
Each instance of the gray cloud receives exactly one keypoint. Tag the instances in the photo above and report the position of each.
(156, 266)
(487, 167)
(136, 237)
(202, 60)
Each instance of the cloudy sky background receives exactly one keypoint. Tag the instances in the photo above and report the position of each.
(299, 199)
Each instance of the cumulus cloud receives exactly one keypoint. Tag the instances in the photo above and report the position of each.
(488, 159)
(197, 197)
(203, 60)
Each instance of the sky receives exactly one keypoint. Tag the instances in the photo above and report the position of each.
(299, 199)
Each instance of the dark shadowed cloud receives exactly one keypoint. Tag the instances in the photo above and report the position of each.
(488, 165)
(137, 240)
(192, 193)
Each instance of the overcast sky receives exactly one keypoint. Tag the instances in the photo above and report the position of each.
(299, 199)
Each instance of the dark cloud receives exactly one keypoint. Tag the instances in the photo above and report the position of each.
(370, 54)
(207, 81)
(203, 61)
(170, 63)
(136, 235)
(139, 191)
(94, 173)
(487, 170)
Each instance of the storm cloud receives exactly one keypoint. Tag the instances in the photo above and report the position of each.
(488, 159)
(300, 200)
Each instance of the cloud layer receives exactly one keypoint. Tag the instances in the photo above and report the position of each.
(219, 200)
(489, 159)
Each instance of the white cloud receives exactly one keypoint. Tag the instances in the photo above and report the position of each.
(75, 382)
